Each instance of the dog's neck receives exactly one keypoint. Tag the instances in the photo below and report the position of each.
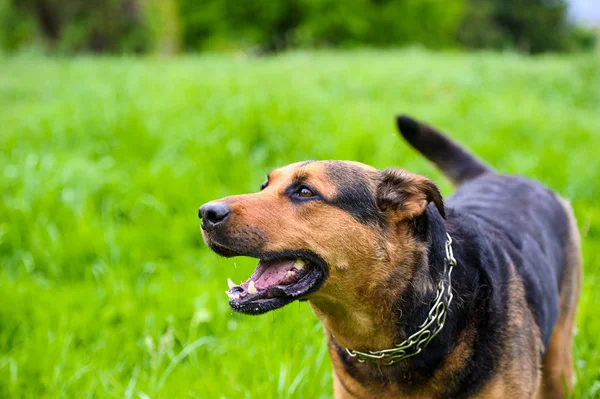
(385, 317)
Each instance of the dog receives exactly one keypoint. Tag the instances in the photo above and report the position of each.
(474, 297)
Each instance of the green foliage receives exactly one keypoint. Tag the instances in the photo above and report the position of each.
(584, 38)
(71, 26)
(382, 23)
(17, 28)
(278, 24)
(166, 26)
(531, 26)
(107, 288)
(222, 24)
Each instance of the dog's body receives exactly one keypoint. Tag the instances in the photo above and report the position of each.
(376, 253)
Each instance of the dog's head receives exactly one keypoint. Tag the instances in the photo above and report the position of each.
(329, 230)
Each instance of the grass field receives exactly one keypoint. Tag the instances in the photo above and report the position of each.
(107, 288)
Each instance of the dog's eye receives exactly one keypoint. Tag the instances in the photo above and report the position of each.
(305, 192)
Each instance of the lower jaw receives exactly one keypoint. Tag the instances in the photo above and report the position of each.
(260, 306)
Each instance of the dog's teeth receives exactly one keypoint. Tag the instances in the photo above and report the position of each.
(230, 283)
(251, 287)
(289, 273)
(299, 263)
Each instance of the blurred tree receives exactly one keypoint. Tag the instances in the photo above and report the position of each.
(531, 26)
(221, 24)
(117, 26)
(535, 26)
(17, 28)
(79, 25)
(381, 22)
(277, 24)
(162, 18)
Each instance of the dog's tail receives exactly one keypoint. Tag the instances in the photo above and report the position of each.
(455, 163)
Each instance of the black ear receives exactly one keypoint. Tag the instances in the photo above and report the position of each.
(406, 195)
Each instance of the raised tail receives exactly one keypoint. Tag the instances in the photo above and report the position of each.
(456, 164)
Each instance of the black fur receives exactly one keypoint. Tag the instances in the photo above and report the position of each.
(486, 221)
(353, 193)
(495, 221)
(457, 164)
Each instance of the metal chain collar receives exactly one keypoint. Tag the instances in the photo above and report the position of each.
(414, 344)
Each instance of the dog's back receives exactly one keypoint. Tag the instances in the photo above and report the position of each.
(534, 228)
(529, 222)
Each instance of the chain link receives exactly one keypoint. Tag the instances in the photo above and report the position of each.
(436, 318)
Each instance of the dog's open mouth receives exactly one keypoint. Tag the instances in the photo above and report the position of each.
(275, 283)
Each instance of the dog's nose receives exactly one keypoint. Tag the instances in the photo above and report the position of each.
(213, 214)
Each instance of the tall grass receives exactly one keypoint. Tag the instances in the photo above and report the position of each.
(106, 287)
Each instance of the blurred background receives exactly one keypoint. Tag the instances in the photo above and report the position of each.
(119, 118)
(175, 26)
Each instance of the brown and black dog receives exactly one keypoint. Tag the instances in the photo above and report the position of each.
(367, 250)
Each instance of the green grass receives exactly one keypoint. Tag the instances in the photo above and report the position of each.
(106, 287)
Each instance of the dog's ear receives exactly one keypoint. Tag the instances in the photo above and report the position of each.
(404, 195)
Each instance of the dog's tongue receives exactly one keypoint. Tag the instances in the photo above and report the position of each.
(269, 273)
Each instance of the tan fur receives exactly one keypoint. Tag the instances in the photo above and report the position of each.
(518, 374)
(558, 363)
(356, 314)
(371, 266)
(456, 360)
(405, 195)
(346, 387)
